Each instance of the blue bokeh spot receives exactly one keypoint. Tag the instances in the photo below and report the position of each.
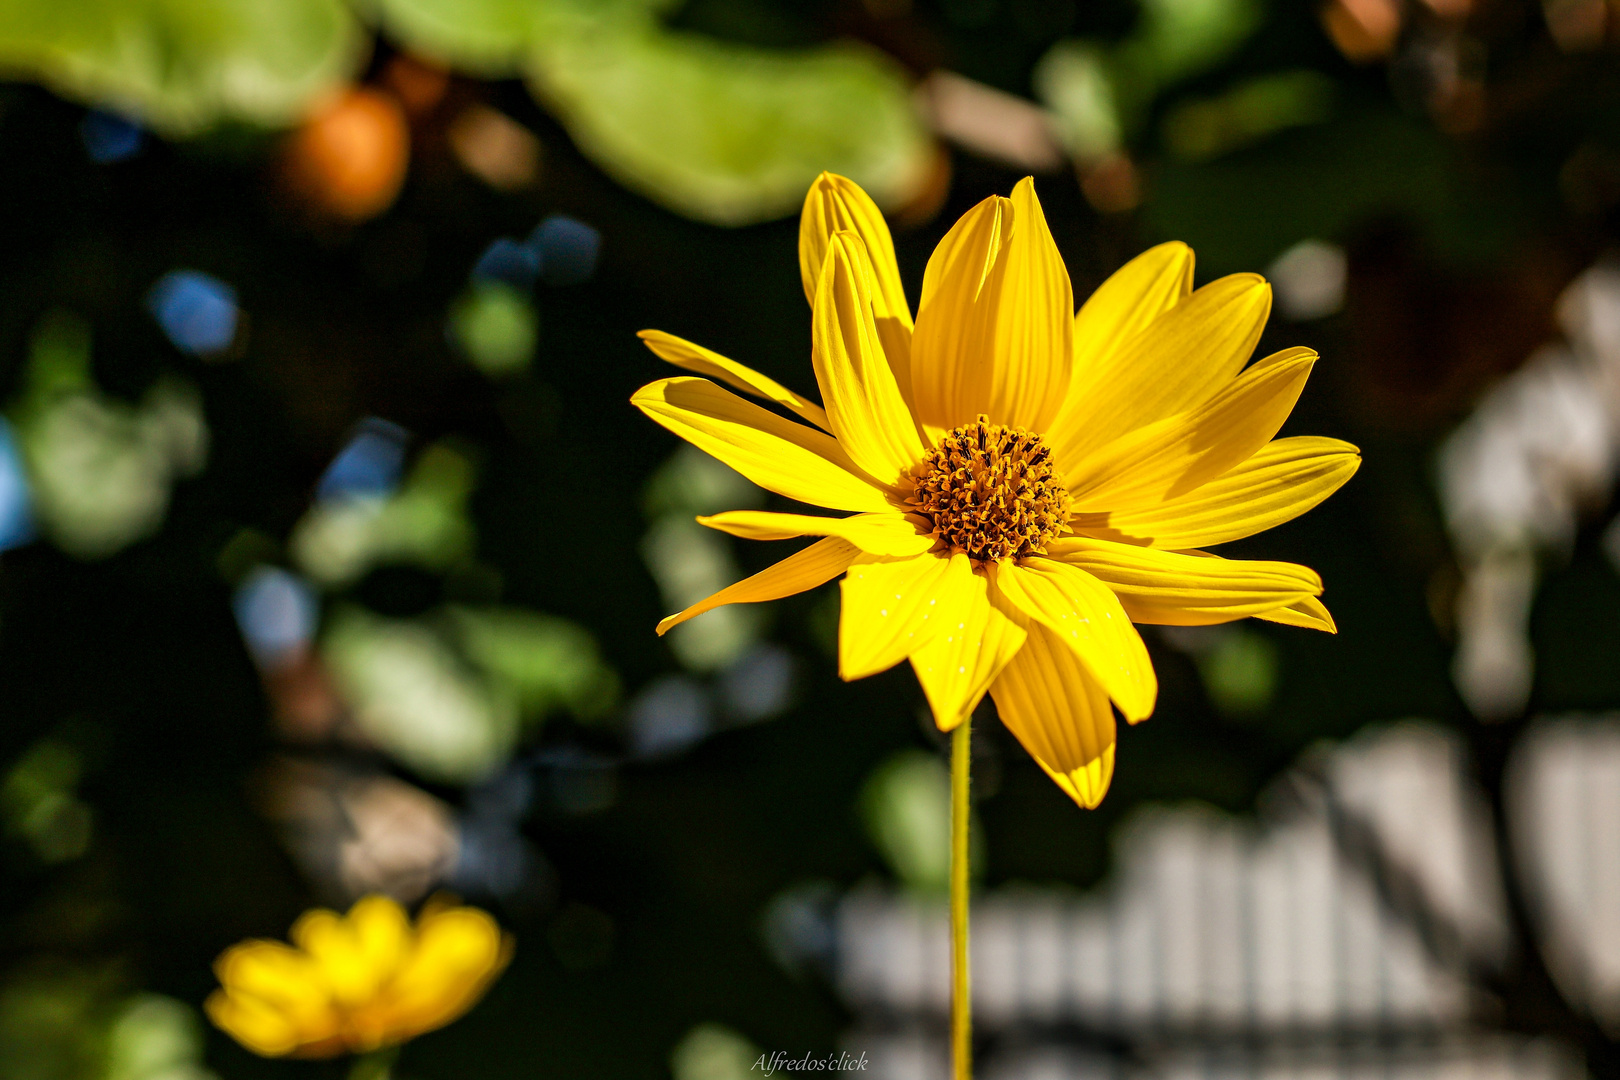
(369, 465)
(509, 261)
(110, 138)
(197, 311)
(16, 505)
(568, 249)
(276, 611)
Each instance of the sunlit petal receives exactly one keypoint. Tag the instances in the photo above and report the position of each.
(892, 608)
(684, 354)
(892, 535)
(1132, 297)
(818, 563)
(952, 349)
(1177, 363)
(836, 205)
(1309, 613)
(1034, 330)
(790, 459)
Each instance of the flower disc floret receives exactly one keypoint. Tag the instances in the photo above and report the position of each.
(990, 491)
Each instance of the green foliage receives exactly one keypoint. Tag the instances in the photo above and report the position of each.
(547, 662)
(1101, 93)
(1250, 111)
(184, 65)
(496, 327)
(101, 469)
(726, 133)
(424, 524)
(414, 697)
(718, 131)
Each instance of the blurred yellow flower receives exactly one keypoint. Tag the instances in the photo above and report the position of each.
(1025, 480)
(359, 982)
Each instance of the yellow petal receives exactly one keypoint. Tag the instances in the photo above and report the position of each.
(870, 418)
(1283, 480)
(1176, 364)
(1309, 613)
(1187, 589)
(347, 966)
(1132, 297)
(1034, 343)
(893, 535)
(685, 354)
(459, 952)
(1087, 617)
(892, 608)
(820, 562)
(788, 458)
(834, 205)
(282, 978)
(959, 664)
(1060, 713)
(255, 1024)
(1182, 453)
(952, 351)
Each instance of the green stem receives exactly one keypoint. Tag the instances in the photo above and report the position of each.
(377, 1065)
(961, 979)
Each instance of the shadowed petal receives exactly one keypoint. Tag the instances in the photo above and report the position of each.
(870, 418)
(1280, 482)
(1175, 364)
(1187, 589)
(959, 664)
(1060, 713)
(1087, 617)
(1178, 455)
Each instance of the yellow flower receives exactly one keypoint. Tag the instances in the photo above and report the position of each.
(359, 982)
(1025, 481)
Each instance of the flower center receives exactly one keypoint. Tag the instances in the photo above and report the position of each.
(990, 491)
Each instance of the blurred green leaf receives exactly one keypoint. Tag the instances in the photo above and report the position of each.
(1250, 111)
(713, 1052)
(727, 133)
(413, 696)
(546, 661)
(906, 806)
(184, 65)
(1177, 39)
(493, 37)
(1240, 673)
(496, 327)
(1101, 93)
(424, 524)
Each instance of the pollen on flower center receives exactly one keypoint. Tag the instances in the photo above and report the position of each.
(991, 491)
